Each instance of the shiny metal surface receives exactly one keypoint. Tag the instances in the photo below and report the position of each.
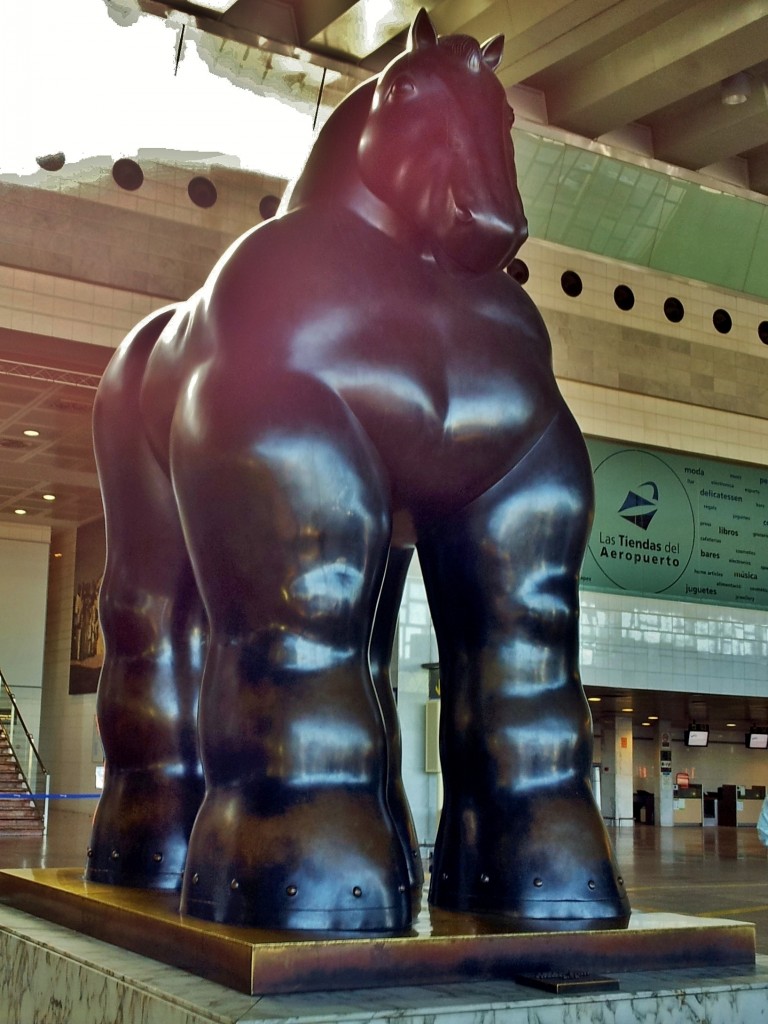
(357, 375)
(444, 948)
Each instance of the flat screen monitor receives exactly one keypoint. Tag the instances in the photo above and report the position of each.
(757, 740)
(696, 737)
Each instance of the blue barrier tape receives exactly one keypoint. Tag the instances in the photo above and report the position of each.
(49, 796)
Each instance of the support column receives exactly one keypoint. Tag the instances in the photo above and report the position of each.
(663, 783)
(617, 779)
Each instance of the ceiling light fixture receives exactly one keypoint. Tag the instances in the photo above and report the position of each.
(49, 497)
(31, 433)
(20, 511)
(594, 700)
(736, 89)
(627, 710)
(220, 6)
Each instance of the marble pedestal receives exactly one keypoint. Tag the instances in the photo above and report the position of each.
(54, 975)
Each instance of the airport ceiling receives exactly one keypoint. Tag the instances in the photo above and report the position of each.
(599, 66)
(648, 74)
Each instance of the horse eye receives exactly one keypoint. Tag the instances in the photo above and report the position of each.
(401, 88)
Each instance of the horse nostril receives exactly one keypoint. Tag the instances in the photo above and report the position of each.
(464, 215)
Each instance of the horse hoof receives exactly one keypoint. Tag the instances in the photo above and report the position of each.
(141, 830)
(331, 863)
(548, 866)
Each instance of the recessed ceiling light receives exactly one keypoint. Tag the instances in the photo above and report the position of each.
(627, 709)
(31, 433)
(594, 700)
(645, 723)
(20, 511)
(49, 497)
(730, 725)
(653, 718)
(57, 554)
(221, 6)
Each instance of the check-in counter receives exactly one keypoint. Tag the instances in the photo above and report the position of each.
(739, 805)
(687, 806)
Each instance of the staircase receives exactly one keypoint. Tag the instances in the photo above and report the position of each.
(22, 773)
(18, 817)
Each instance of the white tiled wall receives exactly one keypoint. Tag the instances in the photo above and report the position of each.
(62, 308)
(547, 262)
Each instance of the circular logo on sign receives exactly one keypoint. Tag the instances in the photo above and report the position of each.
(644, 533)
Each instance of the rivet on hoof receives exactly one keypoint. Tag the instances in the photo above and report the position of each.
(157, 857)
(234, 884)
(591, 884)
(292, 890)
(115, 855)
(484, 879)
(538, 883)
(90, 851)
(357, 892)
(195, 878)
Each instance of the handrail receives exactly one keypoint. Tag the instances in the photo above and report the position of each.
(17, 719)
(21, 722)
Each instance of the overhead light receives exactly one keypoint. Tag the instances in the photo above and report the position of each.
(220, 6)
(627, 710)
(653, 718)
(20, 511)
(31, 433)
(736, 89)
(49, 497)
(594, 700)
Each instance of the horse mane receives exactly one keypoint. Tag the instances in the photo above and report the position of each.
(331, 167)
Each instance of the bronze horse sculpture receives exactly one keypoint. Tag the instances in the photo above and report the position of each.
(358, 377)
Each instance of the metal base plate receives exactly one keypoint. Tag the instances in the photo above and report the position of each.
(443, 948)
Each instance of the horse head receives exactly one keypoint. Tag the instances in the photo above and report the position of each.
(424, 150)
(436, 149)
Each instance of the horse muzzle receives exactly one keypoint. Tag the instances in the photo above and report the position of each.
(480, 244)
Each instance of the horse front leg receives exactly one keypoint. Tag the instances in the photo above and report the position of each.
(520, 834)
(287, 521)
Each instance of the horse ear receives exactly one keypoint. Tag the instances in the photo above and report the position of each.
(422, 34)
(492, 51)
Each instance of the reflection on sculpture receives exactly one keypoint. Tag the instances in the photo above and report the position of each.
(358, 376)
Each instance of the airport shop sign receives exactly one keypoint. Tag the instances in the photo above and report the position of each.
(678, 526)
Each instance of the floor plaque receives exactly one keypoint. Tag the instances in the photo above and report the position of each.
(442, 948)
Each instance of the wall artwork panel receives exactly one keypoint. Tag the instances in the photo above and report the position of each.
(87, 653)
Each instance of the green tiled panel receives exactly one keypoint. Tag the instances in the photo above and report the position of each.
(757, 275)
(599, 204)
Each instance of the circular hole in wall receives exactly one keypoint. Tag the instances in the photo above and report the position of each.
(51, 161)
(519, 271)
(762, 331)
(721, 318)
(571, 283)
(268, 206)
(202, 192)
(624, 297)
(128, 174)
(674, 310)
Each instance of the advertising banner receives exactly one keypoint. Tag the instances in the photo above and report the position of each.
(677, 526)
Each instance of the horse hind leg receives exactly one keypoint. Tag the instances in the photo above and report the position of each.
(154, 634)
